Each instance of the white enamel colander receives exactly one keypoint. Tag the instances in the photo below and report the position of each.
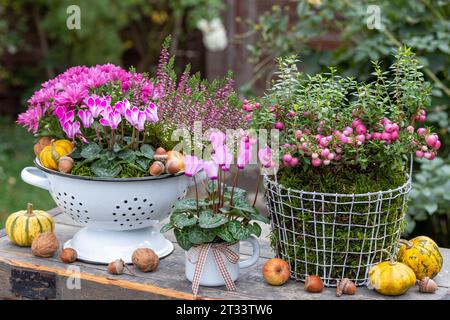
(119, 215)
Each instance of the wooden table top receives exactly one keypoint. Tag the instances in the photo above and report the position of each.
(23, 275)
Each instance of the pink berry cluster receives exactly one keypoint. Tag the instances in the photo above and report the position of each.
(324, 149)
(429, 146)
(249, 107)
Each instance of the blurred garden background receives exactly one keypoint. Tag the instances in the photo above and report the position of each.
(215, 36)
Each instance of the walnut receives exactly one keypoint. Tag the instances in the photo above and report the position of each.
(45, 245)
(145, 259)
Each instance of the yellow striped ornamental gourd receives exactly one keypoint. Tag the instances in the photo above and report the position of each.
(49, 156)
(391, 278)
(25, 225)
(422, 255)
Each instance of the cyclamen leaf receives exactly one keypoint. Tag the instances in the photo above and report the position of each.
(255, 229)
(127, 155)
(143, 162)
(199, 236)
(182, 220)
(209, 220)
(183, 239)
(166, 227)
(224, 234)
(238, 231)
(91, 151)
(259, 217)
(147, 151)
(105, 168)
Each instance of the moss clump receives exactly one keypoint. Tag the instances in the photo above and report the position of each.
(331, 236)
(128, 171)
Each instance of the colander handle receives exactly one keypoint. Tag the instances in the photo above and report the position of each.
(35, 177)
(255, 256)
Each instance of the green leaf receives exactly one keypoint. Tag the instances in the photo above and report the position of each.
(255, 229)
(109, 155)
(224, 234)
(431, 207)
(186, 205)
(259, 217)
(199, 236)
(183, 239)
(143, 163)
(116, 147)
(91, 151)
(182, 220)
(147, 151)
(166, 227)
(238, 231)
(76, 153)
(105, 168)
(209, 220)
(127, 155)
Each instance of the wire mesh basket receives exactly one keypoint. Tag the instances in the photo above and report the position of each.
(334, 236)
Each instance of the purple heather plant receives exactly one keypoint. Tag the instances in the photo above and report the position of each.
(189, 99)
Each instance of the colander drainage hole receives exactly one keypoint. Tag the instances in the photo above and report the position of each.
(117, 207)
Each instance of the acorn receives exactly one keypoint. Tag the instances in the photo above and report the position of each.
(41, 144)
(313, 284)
(65, 164)
(345, 286)
(161, 157)
(160, 151)
(116, 267)
(68, 255)
(427, 285)
(156, 168)
(173, 166)
(145, 259)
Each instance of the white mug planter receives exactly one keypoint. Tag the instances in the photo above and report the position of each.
(119, 215)
(211, 275)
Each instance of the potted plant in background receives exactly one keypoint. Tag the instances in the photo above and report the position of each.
(210, 228)
(339, 198)
(103, 132)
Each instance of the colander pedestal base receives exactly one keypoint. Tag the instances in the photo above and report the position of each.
(103, 246)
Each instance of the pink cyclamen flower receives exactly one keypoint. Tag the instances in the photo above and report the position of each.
(211, 169)
(151, 113)
(86, 118)
(265, 157)
(112, 119)
(217, 139)
(244, 155)
(71, 129)
(132, 116)
(192, 165)
(223, 157)
(122, 106)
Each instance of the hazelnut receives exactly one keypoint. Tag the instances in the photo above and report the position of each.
(313, 284)
(156, 168)
(145, 259)
(173, 166)
(65, 164)
(68, 255)
(116, 267)
(45, 245)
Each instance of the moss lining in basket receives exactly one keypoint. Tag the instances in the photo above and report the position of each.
(340, 229)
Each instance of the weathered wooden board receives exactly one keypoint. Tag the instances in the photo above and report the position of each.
(24, 276)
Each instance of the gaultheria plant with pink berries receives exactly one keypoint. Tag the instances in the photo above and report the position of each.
(337, 133)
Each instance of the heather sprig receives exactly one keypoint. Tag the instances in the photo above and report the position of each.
(188, 99)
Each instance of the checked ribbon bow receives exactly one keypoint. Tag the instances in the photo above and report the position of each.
(218, 249)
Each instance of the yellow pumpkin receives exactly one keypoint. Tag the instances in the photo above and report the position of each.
(25, 225)
(50, 154)
(391, 278)
(422, 255)
(175, 155)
